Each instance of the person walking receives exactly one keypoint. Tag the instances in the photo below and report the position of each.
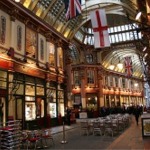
(137, 114)
(68, 115)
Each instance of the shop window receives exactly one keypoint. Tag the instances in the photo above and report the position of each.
(31, 43)
(51, 95)
(2, 29)
(30, 108)
(52, 110)
(39, 90)
(91, 102)
(30, 90)
(39, 108)
(51, 50)
(3, 79)
(61, 102)
(18, 88)
(29, 79)
(51, 100)
(77, 99)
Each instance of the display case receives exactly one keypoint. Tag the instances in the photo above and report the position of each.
(30, 111)
(145, 119)
(52, 109)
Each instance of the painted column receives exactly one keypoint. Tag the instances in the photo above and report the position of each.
(100, 93)
(83, 94)
(69, 82)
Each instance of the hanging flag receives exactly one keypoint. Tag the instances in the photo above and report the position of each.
(99, 25)
(128, 66)
(73, 8)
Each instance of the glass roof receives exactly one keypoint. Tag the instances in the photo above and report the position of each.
(120, 30)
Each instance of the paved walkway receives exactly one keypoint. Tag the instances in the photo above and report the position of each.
(129, 139)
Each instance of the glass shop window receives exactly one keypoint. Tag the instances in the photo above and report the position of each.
(30, 108)
(30, 90)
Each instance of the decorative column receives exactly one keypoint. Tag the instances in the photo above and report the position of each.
(83, 94)
(69, 81)
(100, 93)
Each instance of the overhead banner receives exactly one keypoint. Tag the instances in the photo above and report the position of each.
(128, 66)
(99, 25)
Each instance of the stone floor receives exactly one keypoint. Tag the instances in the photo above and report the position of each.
(128, 139)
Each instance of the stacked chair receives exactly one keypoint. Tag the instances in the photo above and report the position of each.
(10, 134)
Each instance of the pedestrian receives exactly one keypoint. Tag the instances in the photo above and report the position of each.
(137, 114)
(68, 116)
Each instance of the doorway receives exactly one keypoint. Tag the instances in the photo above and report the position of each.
(19, 115)
(2, 110)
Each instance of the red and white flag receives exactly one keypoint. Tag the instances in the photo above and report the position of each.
(99, 25)
(128, 66)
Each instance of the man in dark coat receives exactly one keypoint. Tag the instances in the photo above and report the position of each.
(137, 114)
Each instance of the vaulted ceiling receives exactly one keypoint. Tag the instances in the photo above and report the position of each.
(119, 12)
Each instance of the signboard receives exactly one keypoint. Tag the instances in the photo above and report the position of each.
(146, 127)
(83, 115)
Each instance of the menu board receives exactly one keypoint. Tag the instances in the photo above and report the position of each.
(146, 127)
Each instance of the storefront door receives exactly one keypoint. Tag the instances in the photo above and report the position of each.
(19, 109)
(2, 110)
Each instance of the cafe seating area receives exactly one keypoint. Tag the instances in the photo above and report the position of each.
(36, 138)
(13, 137)
(109, 125)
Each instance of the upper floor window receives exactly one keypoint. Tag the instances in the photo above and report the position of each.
(123, 83)
(106, 80)
(116, 81)
(31, 43)
(111, 80)
(90, 76)
(76, 78)
(89, 58)
(51, 50)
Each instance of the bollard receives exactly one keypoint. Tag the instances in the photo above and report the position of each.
(64, 136)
